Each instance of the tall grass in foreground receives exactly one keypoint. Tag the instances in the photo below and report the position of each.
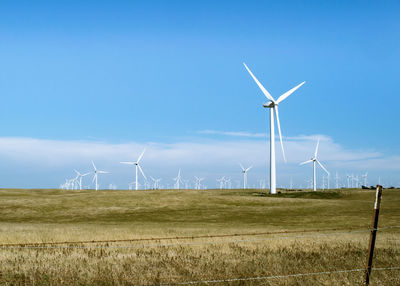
(153, 265)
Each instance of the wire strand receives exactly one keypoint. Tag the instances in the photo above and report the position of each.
(275, 276)
(181, 237)
(176, 244)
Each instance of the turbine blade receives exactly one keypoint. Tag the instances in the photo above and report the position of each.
(249, 168)
(94, 177)
(103, 172)
(94, 166)
(306, 162)
(241, 166)
(128, 163)
(316, 149)
(141, 155)
(323, 167)
(141, 171)
(86, 174)
(279, 129)
(289, 92)
(266, 93)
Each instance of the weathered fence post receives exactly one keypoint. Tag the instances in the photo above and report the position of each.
(372, 237)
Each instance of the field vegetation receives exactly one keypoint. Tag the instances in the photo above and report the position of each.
(292, 232)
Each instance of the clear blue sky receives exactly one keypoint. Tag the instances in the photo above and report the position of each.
(161, 71)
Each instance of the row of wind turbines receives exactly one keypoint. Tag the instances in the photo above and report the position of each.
(224, 182)
(272, 104)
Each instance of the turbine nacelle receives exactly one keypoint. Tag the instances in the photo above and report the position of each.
(270, 104)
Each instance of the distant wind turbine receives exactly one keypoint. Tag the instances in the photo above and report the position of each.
(273, 105)
(198, 182)
(315, 160)
(221, 182)
(79, 177)
(244, 171)
(155, 182)
(228, 183)
(137, 168)
(178, 180)
(96, 172)
(337, 180)
(365, 176)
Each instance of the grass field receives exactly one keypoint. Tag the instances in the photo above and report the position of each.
(28, 216)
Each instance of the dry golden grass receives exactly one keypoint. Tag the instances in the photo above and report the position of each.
(53, 215)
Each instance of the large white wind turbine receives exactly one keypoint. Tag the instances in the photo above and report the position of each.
(315, 160)
(96, 172)
(137, 168)
(79, 177)
(273, 105)
(244, 171)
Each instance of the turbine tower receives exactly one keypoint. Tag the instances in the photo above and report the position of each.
(244, 171)
(273, 106)
(315, 160)
(96, 173)
(79, 177)
(137, 168)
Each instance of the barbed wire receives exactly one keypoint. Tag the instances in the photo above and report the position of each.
(178, 244)
(26, 244)
(214, 281)
(172, 237)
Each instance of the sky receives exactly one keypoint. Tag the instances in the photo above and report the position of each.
(102, 80)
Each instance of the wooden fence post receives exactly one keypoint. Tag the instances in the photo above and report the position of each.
(372, 237)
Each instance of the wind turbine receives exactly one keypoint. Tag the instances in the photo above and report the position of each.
(79, 176)
(348, 181)
(365, 178)
(156, 181)
(137, 168)
(273, 105)
(315, 160)
(178, 180)
(244, 171)
(96, 172)
(228, 183)
(198, 182)
(337, 180)
(221, 182)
